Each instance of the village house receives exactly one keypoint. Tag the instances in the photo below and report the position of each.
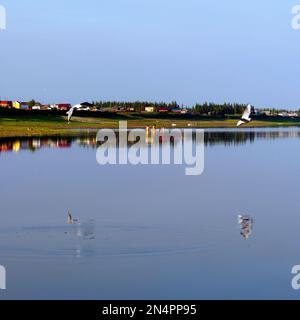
(288, 114)
(176, 110)
(16, 105)
(292, 114)
(6, 104)
(60, 106)
(24, 105)
(63, 106)
(163, 109)
(36, 107)
(46, 107)
(149, 109)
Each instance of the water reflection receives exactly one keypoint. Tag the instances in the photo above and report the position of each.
(34, 144)
(81, 232)
(246, 225)
(84, 230)
(212, 137)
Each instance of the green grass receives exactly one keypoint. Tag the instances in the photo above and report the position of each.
(29, 124)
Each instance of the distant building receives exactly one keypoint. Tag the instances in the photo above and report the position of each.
(176, 110)
(149, 109)
(24, 105)
(16, 105)
(63, 106)
(111, 110)
(6, 104)
(293, 114)
(45, 107)
(163, 109)
(267, 112)
(60, 106)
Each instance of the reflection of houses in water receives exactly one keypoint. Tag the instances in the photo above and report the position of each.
(246, 225)
(88, 141)
(142, 137)
(16, 146)
(9, 146)
(33, 144)
(149, 136)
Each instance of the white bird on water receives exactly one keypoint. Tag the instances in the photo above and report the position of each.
(83, 229)
(71, 220)
(246, 116)
(244, 218)
(246, 223)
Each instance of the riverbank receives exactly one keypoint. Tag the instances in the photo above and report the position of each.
(55, 125)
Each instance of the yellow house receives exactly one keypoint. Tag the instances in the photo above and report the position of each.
(16, 104)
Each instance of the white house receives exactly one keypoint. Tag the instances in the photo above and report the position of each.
(149, 109)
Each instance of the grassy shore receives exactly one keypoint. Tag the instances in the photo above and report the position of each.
(39, 124)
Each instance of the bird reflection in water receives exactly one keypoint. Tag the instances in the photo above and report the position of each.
(81, 231)
(246, 225)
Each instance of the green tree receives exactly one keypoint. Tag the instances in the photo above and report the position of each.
(31, 103)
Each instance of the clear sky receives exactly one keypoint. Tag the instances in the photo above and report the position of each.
(185, 50)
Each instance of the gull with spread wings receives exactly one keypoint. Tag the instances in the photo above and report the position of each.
(71, 111)
(246, 116)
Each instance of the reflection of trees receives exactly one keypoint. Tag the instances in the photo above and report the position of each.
(228, 138)
(148, 137)
(241, 137)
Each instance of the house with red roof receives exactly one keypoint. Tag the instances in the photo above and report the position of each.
(63, 106)
(163, 109)
(6, 104)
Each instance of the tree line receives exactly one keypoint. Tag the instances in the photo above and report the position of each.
(205, 108)
(215, 109)
(138, 106)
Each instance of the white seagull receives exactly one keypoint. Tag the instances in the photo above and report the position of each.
(244, 218)
(71, 220)
(71, 111)
(246, 116)
(246, 223)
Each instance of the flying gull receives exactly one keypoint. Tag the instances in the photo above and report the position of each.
(246, 116)
(71, 111)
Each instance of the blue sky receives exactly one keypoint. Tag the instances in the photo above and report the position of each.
(185, 50)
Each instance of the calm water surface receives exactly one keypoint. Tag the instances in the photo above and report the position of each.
(150, 232)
